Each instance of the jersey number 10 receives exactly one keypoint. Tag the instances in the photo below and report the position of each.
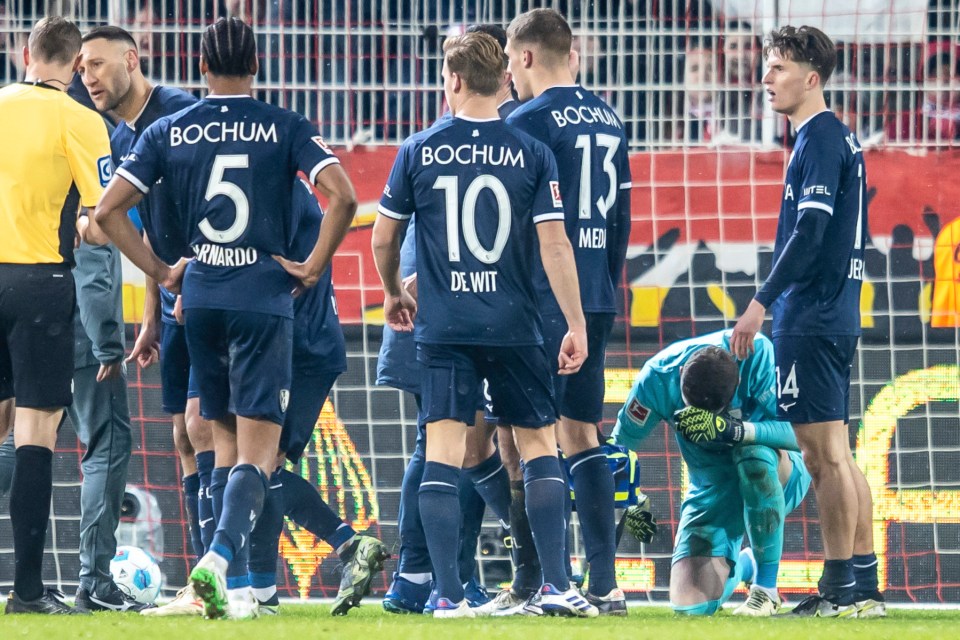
(450, 187)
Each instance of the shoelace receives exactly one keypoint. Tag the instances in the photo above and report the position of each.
(756, 599)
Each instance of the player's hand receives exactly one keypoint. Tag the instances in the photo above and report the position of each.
(741, 341)
(109, 371)
(701, 426)
(573, 352)
(410, 284)
(178, 310)
(173, 277)
(299, 270)
(399, 311)
(146, 350)
(640, 522)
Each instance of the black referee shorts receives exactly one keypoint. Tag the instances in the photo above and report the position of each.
(37, 303)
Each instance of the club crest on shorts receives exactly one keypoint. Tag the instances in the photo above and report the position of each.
(637, 411)
(284, 400)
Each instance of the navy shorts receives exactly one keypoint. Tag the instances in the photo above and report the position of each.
(521, 390)
(242, 363)
(580, 396)
(813, 377)
(176, 376)
(308, 392)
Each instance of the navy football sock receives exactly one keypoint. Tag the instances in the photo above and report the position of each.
(204, 498)
(865, 573)
(493, 484)
(242, 503)
(837, 583)
(544, 496)
(523, 551)
(413, 557)
(593, 487)
(191, 496)
(303, 504)
(265, 537)
(218, 482)
(440, 513)
(472, 507)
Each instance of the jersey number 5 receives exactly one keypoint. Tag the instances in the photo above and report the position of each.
(217, 186)
(450, 187)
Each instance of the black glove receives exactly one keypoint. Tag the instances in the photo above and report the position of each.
(703, 427)
(640, 522)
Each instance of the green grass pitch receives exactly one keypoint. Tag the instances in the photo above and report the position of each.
(312, 622)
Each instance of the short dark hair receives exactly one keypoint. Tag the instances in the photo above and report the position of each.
(111, 33)
(804, 45)
(545, 28)
(54, 39)
(229, 48)
(709, 379)
(494, 30)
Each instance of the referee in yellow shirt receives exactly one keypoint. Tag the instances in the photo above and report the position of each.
(50, 144)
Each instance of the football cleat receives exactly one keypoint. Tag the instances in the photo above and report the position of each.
(366, 558)
(270, 607)
(186, 603)
(475, 593)
(242, 604)
(404, 596)
(612, 604)
(759, 604)
(550, 601)
(872, 605)
(505, 603)
(446, 609)
(50, 603)
(116, 600)
(210, 585)
(817, 606)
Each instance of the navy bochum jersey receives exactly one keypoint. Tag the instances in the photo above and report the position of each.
(231, 162)
(814, 286)
(318, 345)
(157, 213)
(587, 139)
(478, 187)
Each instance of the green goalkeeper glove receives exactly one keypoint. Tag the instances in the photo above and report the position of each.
(640, 522)
(704, 427)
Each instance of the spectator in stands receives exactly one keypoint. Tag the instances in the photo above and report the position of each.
(937, 115)
(740, 110)
(699, 109)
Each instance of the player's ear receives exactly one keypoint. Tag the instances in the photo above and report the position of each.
(132, 59)
(26, 56)
(254, 66)
(204, 67)
(527, 58)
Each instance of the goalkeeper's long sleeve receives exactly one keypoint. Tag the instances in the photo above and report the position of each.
(799, 254)
(771, 433)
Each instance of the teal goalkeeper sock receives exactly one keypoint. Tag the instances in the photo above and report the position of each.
(764, 509)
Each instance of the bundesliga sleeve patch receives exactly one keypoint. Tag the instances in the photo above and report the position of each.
(637, 411)
(320, 143)
(555, 193)
(105, 170)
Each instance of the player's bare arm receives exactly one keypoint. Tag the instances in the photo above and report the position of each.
(111, 214)
(558, 262)
(334, 184)
(747, 327)
(399, 307)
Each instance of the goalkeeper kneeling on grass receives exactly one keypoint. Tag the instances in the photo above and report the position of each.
(746, 471)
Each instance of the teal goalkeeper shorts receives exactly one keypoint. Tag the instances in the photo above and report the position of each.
(712, 521)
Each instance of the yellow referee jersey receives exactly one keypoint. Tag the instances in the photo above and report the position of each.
(51, 142)
(946, 269)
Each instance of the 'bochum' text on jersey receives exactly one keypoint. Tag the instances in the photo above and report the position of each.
(231, 162)
(472, 184)
(814, 286)
(587, 139)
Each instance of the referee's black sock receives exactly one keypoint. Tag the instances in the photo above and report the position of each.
(29, 513)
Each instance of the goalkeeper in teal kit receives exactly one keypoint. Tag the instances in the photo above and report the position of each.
(746, 472)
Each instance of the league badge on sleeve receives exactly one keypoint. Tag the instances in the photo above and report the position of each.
(637, 411)
(284, 400)
(105, 170)
(555, 193)
(320, 143)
